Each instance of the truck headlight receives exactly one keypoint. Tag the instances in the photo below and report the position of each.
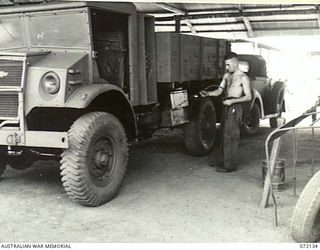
(51, 83)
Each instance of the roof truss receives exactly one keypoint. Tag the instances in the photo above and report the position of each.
(180, 12)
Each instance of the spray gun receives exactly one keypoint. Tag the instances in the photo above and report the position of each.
(200, 93)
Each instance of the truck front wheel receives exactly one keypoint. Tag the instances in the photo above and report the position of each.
(93, 166)
(199, 135)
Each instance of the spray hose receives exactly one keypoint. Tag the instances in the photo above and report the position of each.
(197, 95)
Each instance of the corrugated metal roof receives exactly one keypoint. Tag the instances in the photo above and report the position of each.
(12, 2)
(224, 18)
(5, 2)
(213, 7)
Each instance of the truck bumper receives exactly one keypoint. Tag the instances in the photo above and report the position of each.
(45, 139)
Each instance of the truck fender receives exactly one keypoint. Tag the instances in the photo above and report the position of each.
(275, 97)
(256, 98)
(84, 96)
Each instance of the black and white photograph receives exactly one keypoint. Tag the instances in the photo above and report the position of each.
(159, 122)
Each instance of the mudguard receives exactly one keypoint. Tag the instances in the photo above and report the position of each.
(256, 98)
(275, 96)
(83, 96)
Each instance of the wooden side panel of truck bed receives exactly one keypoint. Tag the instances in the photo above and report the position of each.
(183, 57)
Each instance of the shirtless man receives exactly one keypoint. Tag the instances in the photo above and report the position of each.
(236, 87)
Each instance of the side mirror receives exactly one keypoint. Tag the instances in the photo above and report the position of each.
(244, 66)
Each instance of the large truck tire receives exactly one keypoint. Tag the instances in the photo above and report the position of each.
(3, 161)
(2, 167)
(93, 166)
(199, 134)
(18, 163)
(251, 121)
(305, 224)
(21, 161)
(276, 102)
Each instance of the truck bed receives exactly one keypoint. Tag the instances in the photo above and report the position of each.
(183, 57)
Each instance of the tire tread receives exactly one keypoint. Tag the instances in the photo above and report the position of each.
(191, 131)
(306, 209)
(73, 166)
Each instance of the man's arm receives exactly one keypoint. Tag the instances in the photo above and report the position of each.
(246, 90)
(219, 90)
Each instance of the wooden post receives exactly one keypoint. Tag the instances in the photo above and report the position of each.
(178, 26)
(151, 76)
(142, 83)
(272, 165)
(133, 60)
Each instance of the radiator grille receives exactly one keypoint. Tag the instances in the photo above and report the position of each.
(10, 73)
(9, 105)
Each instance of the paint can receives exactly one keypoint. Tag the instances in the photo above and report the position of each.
(278, 182)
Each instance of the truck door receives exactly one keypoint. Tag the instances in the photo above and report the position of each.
(110, 41)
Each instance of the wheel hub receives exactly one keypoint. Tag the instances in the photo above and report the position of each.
(101, 159)
(102, 155)
(249, 120)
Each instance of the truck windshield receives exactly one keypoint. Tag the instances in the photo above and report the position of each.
(58, 30)
(11, 33)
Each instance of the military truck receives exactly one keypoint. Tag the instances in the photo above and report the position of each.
(79, 81)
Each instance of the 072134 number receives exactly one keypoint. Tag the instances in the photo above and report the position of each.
(309, 245)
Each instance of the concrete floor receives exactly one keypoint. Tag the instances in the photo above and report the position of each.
(167, 196)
